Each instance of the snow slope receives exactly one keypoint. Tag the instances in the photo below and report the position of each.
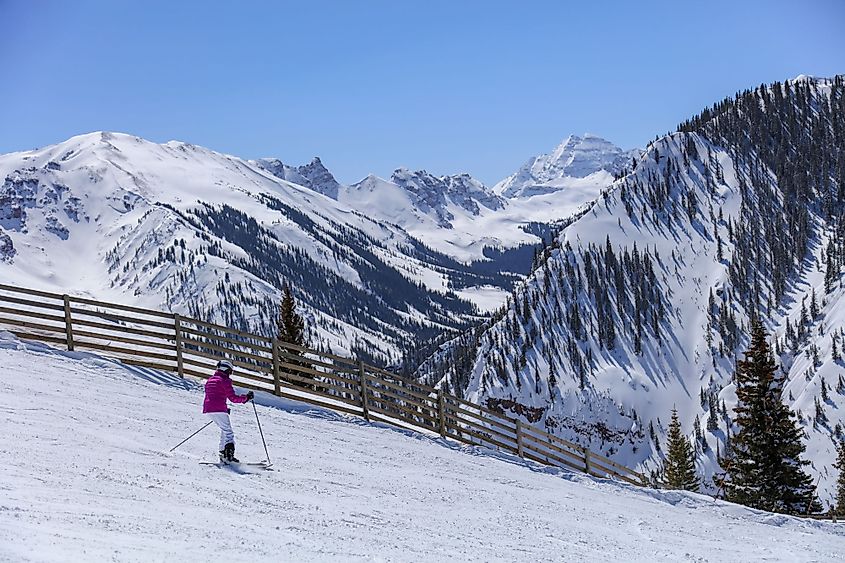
(87, 477)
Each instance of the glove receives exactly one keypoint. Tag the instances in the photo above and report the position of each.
(249, 395)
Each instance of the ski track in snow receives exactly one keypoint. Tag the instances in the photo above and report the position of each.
(87, 477)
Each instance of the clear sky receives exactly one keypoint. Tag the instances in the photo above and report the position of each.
(448, 86)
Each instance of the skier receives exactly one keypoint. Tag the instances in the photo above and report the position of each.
(218, 388)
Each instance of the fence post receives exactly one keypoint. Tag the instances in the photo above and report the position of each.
(277, 385)
(362, 379)
(177, 323)
(587, 461)
(68, 323)
(441, 412)
(519, 438)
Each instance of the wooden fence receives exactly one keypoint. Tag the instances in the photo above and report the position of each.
(829, 516)
(187, 346)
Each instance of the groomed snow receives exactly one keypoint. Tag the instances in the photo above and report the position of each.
(87, 477)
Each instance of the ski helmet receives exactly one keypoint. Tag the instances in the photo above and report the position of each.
(225, 365)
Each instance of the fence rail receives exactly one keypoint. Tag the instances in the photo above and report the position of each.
(187, 346)
(830, 516)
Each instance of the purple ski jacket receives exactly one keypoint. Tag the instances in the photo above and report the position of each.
(218, 388)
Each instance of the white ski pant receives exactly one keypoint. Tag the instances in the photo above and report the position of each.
(226, 434)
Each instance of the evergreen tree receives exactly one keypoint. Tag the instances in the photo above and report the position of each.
(832, 269)
(839, 508)
(653, 434)
(821, 417)
(290, 329)
(696, 429)
(765, 467)
(712, 419)
(552, 378)
(679, 467)
(814, 305)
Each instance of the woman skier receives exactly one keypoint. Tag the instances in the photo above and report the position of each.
(218, 388)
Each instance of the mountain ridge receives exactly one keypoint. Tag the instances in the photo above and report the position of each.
(641, 303)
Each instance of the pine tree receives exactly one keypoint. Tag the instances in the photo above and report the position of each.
(712, 419)
(821, 417)
(290, 329)
(696, 430)
(832, 270)
(839, 508)
(679, 467)
(765, 466)
(653, 434)
(814, 306)
(552, 376)
(804, 319)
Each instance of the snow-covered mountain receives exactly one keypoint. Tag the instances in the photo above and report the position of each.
(471, 221)
(460, 216)
(419, 202)
(578, 163)
(643, 302)
(445, 212)
(180, 227)
(431, 194)
(415, 198)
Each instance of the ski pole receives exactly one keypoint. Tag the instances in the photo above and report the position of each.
(191, 436)
(261, 432)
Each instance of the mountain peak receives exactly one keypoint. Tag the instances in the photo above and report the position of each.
(313, 175)
(403, 172)
(576, 157)
(579, 156)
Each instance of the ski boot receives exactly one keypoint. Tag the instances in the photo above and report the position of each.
(228, 454)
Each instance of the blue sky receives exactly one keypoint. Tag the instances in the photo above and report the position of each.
(370, 86)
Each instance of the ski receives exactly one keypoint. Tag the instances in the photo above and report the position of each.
(240, 464)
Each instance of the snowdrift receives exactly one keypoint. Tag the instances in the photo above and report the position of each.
(88, 477)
